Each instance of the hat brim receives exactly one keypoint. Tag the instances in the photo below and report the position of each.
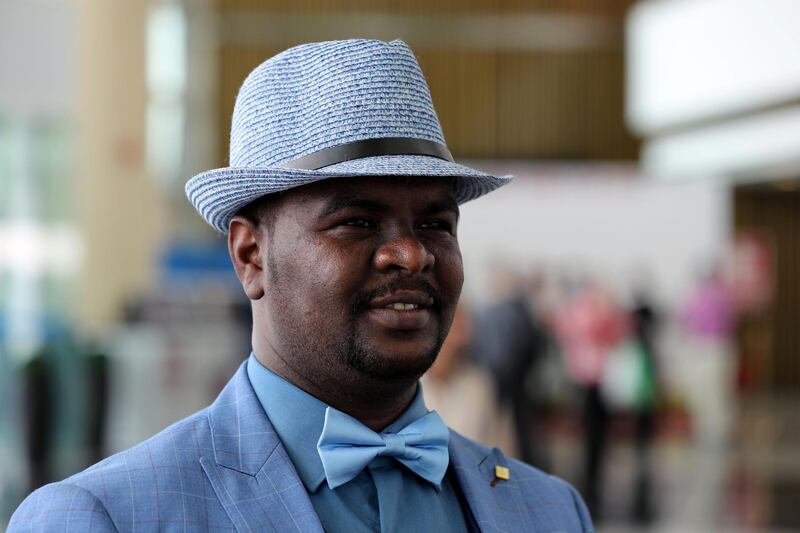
(219, 194)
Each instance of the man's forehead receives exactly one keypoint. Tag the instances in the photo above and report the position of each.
(380, 189)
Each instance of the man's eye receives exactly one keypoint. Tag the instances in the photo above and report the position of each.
(436, 225)
(357, 223)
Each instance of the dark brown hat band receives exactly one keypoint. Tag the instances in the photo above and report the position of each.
(370, 148)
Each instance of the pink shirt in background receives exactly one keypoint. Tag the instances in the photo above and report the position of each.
(589, 326)
(709, 312)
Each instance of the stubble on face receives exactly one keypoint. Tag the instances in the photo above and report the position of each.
(348, 347)
(368, 360)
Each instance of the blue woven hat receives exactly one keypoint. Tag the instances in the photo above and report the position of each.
(327, 110)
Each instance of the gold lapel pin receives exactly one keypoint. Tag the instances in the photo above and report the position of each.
(500, 472)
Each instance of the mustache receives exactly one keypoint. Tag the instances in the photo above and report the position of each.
(364, 298)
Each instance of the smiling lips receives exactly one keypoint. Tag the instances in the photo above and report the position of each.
(404, 310)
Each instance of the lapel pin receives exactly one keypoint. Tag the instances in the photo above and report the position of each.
(500, 472)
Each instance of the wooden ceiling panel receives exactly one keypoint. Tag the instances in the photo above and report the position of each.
(597, 7)
(543, 101)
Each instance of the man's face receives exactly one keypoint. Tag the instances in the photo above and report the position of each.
(362, 274)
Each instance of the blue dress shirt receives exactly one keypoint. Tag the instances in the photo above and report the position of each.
(385, 496)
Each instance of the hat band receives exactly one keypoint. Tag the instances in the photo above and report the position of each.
(370, 148)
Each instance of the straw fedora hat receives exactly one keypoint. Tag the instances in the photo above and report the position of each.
(327, 110)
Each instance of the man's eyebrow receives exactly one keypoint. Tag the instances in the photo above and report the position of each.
(338, 203)
(443, 205)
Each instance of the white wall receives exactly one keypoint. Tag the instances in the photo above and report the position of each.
(37, 52)
(689, 60)
(605, 218)
(712, 86)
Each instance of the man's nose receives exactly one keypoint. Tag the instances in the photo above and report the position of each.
(404, 252)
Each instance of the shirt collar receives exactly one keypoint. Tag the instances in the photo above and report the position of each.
(298, 418)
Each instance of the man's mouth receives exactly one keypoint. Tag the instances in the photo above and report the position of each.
(403, 309)
(406, 319)
(400, 306)
(402, 300)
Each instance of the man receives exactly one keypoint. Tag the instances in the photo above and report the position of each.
(341, 207)
(509, 342)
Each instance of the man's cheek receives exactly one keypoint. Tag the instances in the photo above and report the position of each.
(453, 273)
(328, 276)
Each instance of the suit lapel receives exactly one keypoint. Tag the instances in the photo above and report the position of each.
(250, 472)
(495, 508)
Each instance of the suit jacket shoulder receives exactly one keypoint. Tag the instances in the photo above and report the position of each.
(221, 469)
(158, 481)
(530, 500)
(61, 507)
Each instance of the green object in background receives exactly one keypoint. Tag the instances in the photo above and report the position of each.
(646, 393)
(628, 380)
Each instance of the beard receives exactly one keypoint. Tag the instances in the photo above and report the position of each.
(331, 353)
(370, 362)
(357, 354)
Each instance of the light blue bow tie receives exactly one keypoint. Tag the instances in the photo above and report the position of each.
(347, 446)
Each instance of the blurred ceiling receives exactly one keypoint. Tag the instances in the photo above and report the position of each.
(510, 79)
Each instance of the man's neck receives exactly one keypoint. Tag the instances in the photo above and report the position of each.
(375, 403)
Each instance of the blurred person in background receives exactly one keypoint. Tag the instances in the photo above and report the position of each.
(39, 403)
(708, 324)
(463, 393)
(708, 321)
(508, 342)
(645, 322)
(589, 325)
(341, 209)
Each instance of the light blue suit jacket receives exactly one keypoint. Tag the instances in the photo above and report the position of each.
(224, 469)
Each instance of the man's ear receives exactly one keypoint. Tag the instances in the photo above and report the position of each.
(244, 247)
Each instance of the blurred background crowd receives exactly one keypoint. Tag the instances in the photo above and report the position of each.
(629, 317)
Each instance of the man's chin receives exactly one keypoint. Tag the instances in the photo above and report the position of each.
(396, 365)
